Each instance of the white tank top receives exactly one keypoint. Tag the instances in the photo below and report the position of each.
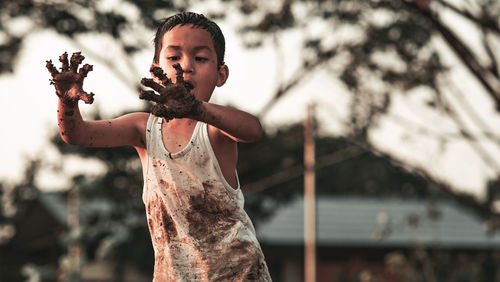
(198, 227)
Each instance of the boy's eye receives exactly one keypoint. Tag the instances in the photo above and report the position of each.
(201, 59)
(173, 58)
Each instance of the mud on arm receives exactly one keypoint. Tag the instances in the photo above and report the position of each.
(68, 83)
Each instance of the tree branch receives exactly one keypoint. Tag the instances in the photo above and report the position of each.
(474, 116)
(487, 79)
(300, 74)
(133, 86)
(489, 51)
(490, 25)
(483, 153)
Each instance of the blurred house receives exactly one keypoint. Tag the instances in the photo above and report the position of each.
(382, 239)
(38, 249)
(358, 239)
(37, 227)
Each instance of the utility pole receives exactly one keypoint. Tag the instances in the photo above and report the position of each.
(74, 249)
(309, 199)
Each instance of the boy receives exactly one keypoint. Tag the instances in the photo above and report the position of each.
(193, 200)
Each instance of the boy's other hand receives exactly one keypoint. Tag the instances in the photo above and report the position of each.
(69, 81)
(173, 100)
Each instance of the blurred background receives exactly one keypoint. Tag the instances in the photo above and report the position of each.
(404, 99)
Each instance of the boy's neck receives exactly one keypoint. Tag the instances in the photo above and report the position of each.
(180, 122)
(176, 133)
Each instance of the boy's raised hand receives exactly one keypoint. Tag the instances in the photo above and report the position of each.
(69, 81)
(173, 100)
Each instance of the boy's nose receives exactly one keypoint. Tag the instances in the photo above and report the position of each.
(187, 65)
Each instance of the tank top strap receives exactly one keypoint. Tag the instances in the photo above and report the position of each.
(205, 140)
(149, 125)
(154, 143)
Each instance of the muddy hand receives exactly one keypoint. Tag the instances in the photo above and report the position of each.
(172, 100)
(69, 81)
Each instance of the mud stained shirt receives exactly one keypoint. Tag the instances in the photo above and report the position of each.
(198, 227)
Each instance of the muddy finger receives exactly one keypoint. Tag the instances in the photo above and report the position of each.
(85, 70)
(158, 72)
(149, 95)
(88, 98)
(76, 59)
(160, 110)
(180, 72)
(148, 82)
(52, 69)
(64, 60)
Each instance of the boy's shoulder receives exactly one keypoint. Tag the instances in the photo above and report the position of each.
(137, 120)
(140, 117)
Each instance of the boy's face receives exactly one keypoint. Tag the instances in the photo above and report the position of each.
(194, 50)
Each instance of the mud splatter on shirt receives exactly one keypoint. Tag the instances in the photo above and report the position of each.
(198, 227)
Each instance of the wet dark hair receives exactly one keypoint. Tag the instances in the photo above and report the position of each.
(197, 20)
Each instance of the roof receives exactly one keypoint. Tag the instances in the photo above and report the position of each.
(368, 222)
(55, 202)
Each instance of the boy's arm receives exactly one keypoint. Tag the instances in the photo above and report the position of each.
(175, 101)
(238, 125)
(125, 130)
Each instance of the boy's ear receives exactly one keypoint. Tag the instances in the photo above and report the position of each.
(223, 74)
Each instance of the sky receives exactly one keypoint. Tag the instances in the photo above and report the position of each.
(28, 106)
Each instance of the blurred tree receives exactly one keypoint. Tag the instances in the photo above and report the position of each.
(271, 172)
(353, 37)
(381, 50)
(112, 223)
(123, 23)
(400, 31)
(28, 234)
